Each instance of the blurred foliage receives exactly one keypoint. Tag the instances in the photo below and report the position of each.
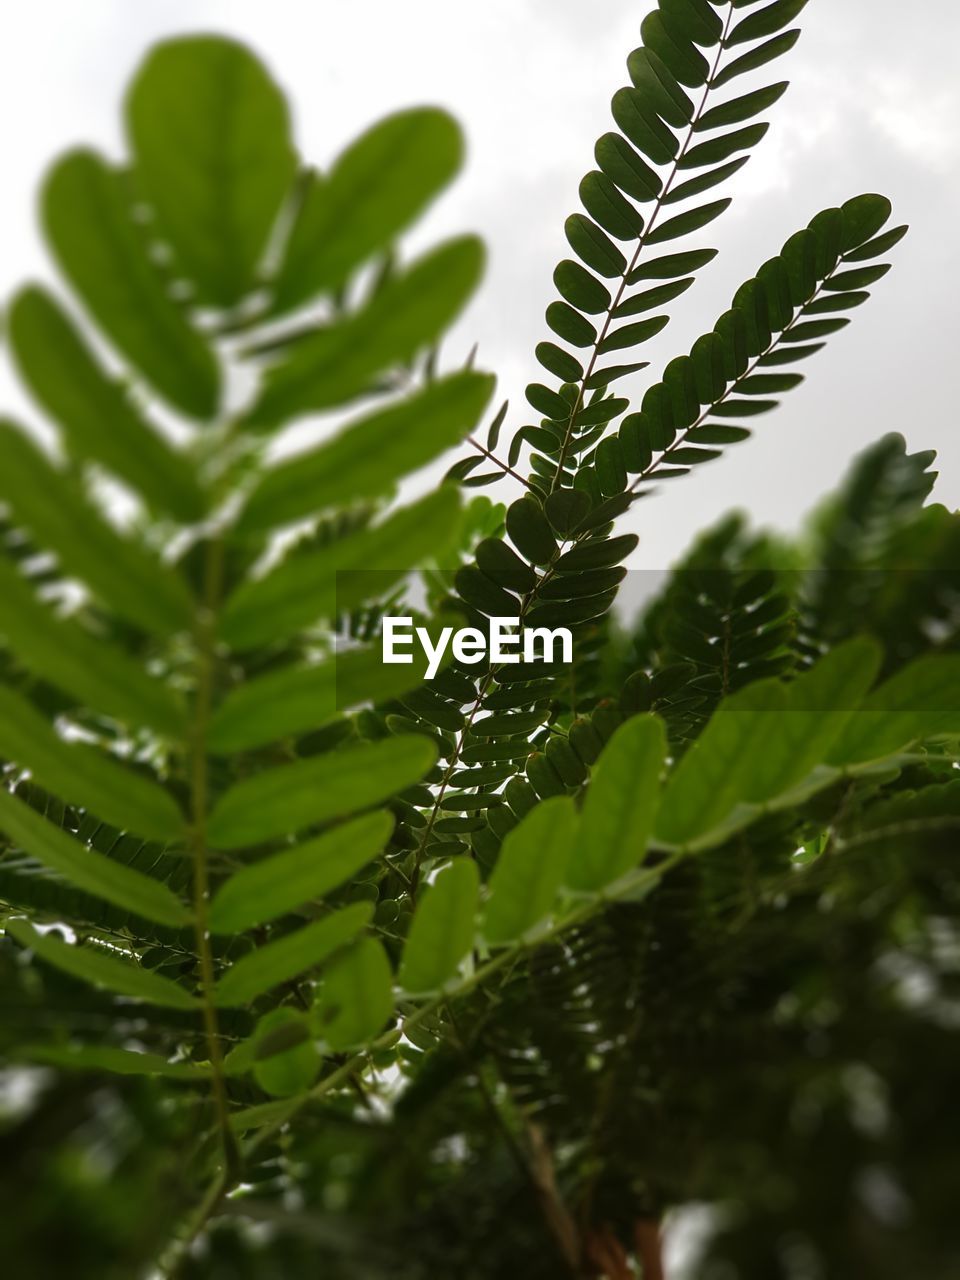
(311, 964)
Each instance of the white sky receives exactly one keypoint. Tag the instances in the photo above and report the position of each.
(873, 106)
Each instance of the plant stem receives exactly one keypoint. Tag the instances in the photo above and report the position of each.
(199, 799)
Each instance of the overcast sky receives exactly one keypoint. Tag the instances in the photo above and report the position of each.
(873, 106)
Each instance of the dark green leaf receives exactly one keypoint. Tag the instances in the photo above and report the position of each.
(684, 223)
(765, 21)
(593, 246)
(758, 57)
(621, 163)
(719, 149)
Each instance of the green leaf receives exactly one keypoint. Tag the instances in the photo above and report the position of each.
(692, 20)
(632, 335)
(863, 217)
(340, 362)
(99, 419)
(83, 775)
(284, 881)
(368, 457)
(679, 56)
(316, 789)
(581, 289)
(684, 223)
(920, 702)
(719, 149)
(644, 127)
(672, 265)
(356, 997)
(765, 21)
(49, 503)
(377, 187)
(531, 867)
(820, 703)
(443, 928)
(570, 325)
(530, 532)
(559, 362)
(210, 135)
(758, 57)
(620, 807)
(650, 298)
(704, 182)
(285, 958)
(286, 1060)
(313, 584)
(88, 219)
(739, 109)
(99, 1058)
(623, 166)
(101, 676)
(291, 700)
(606, 205)
(101, 968)
(88, 870)
(659, 87)
(593, 246)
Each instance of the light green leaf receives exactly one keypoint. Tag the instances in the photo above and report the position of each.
(356, 997)
(291, 700)
(101, 968)
(620, 807)
(49, 503)
(285, 1059)
(287, 957)
(101, 676)
(97, 1058)
(314, 584)
(443, 928)
(920, 702)
(98, 417)
(285, 881)
(368, 457)
(88, 217)
(316, 789)
(376, 188)
(340, 362)
(210, 135)
(819, 704)
(86, 868)
(531, 867)
(83, 775)
(709, 781)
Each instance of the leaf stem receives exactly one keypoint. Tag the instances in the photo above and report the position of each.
(199, 799)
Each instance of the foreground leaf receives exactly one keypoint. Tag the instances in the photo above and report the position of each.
(284, 881)
(86, 868)
(102, 969)
(443, 928)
